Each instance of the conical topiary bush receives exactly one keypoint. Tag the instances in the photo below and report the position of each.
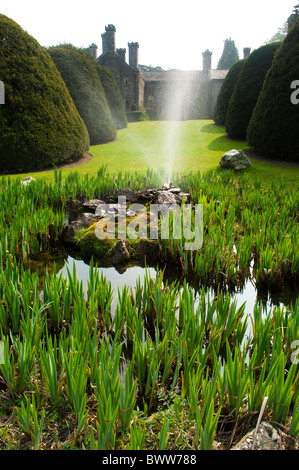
(226, 92)
(247, 90)
(113, 96)
(77, 69)
(39, 123)
(274, 126)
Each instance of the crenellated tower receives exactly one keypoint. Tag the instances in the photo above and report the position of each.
(246, 52)
(122, 53)
(108, 39)
(133, 54)
(93, 49)
(206, 63)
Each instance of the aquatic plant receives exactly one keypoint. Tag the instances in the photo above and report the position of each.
(106, 357)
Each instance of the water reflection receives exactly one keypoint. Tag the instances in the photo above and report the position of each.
(118, 278)
(129, 276)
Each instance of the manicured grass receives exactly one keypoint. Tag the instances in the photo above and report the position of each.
(192, 145)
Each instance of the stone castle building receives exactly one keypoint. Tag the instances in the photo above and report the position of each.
(169, 94)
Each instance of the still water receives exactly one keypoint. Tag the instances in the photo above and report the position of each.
(130, 275)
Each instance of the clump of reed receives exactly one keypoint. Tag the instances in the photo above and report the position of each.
(248, 231)
(67, 350)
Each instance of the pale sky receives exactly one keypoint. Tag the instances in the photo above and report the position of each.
(170, 33)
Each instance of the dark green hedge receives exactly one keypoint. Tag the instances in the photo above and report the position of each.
(113, 96)
(273, 130)
(39, 123)
(247, 90)
(77, 68)
(226, 92)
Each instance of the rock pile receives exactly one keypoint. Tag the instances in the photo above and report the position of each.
(82, 213)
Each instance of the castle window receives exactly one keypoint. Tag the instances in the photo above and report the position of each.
(126, 81)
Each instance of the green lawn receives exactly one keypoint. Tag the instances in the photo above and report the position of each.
(190, 145)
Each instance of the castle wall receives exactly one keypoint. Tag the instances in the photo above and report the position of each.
(129, 81)
(164, 95)
(179, 100)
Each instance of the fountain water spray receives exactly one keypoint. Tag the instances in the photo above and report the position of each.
(175, 111)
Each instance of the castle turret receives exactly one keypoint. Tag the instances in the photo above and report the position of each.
(246, 52)
(133, 54)
(122, 53)
(206, 63)
(108, 39)
(93, 49)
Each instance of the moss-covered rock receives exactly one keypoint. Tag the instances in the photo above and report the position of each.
(226, 92)
(77, 68)
(247, 90)
(274, 127)
(113, 96)
(112, 249)
(39, 123)
(90, 245)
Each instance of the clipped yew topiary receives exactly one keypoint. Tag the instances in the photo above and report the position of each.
(39, 123)
(77, 68)
(113, 96)
(274, 127)
(226, 92)
(247, 90)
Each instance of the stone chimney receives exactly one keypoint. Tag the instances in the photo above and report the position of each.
(122, 53)
(93, 49)
(246, 52)
(133, 54)
(108, 39)
(206, 63)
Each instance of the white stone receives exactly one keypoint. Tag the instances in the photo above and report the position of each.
(235, 160)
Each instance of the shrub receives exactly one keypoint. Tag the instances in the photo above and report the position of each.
(77, 68)
(113, 96)
(273, 128)
(247, 90)
(39, 123)
(226, 92)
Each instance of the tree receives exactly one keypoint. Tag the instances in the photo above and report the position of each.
(150, 68)
(39, 123)
(77, 68)
(113, 96)
(226, 92)
(279, 35)
(293, 17)
(229, 56)
(247, 90)
(274, 125)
